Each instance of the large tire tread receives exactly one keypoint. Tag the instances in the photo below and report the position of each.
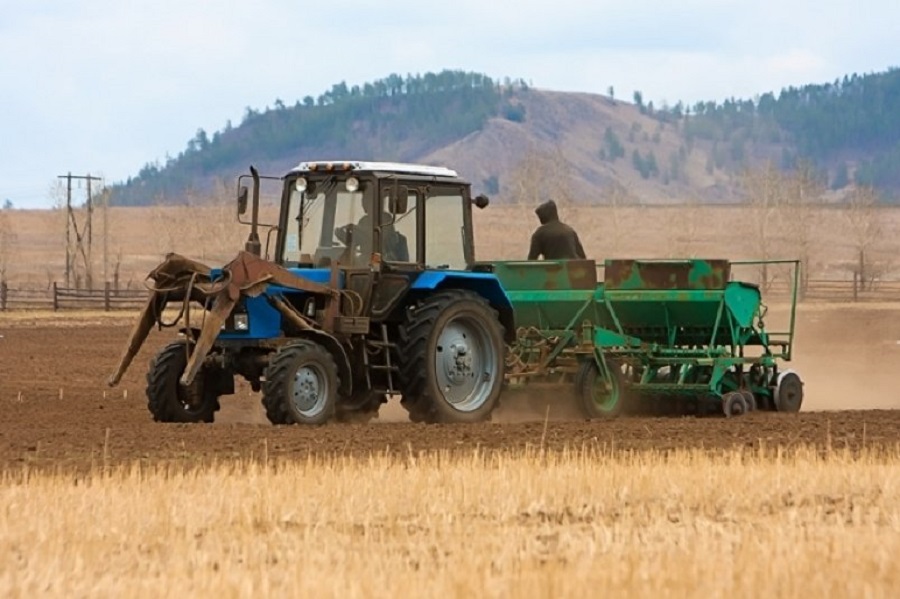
(415, 333)
(278, 377)
(163, 387)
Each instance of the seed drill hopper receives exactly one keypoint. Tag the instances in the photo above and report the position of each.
(675, 335)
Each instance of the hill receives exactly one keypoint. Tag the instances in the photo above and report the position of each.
(520, 144)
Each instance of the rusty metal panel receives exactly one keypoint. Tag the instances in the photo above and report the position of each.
(351, 325)
(546, 275)
(667, 274)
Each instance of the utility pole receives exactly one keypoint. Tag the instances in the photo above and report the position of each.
(72, 225)
(105, 234)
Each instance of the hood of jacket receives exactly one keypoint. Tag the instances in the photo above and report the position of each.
(547, 212)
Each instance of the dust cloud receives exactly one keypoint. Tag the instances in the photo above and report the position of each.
(848, 356)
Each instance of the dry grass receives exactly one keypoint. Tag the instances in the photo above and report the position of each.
(635, 231)
(140, 237)
(66, 318)
(571, 524)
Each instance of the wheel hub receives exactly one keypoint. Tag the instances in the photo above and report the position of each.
(306, 389)
(458, 363)
(463, 365)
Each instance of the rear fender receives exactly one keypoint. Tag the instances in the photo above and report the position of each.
(484, 284)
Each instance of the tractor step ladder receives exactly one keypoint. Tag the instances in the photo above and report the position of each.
(388, 367)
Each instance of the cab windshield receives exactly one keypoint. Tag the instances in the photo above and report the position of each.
(326, 223)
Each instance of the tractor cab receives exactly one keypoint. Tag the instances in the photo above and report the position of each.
(363, 214)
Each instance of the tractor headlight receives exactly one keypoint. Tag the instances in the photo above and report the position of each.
(300, 184)
(352, 184)
(241, 322)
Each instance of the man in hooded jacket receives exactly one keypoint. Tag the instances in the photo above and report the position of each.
(554, 240)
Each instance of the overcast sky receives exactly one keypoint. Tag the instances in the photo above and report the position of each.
(106, 86)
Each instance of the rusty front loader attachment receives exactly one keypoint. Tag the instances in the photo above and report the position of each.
(179, 279)
(176, 279)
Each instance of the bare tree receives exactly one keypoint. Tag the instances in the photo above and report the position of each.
(864, 227)
(619, 199)
(542, 175)
(799, 217)
(202, 226)
(7, 245)
(685, 227)
(764, 188)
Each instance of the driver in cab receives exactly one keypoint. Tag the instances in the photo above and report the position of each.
(359, 237)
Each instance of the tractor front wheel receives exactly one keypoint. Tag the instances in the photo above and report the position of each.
(169, 400)
(452, 358)
(301, 385)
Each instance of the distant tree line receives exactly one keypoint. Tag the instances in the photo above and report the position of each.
(391, 119)
(857, 114)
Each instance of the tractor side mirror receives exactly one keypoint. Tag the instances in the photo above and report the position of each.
(398, 199)
(481, 201)
(242, 200)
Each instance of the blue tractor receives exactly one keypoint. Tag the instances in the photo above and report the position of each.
(366, 291)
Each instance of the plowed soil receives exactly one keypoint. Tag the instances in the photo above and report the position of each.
(58, 412)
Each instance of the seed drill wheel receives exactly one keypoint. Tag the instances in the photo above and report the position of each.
(734, 404)
(301, 385)
(749, 399)
(452, 358)
(169, 400)
(788, 392)
(600, 397)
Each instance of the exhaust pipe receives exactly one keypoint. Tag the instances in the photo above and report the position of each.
(253, 244)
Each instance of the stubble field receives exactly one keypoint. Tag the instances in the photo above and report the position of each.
(99, 500)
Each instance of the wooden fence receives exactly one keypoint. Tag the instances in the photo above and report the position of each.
(846, 290)
(62, 298)
(108, 298)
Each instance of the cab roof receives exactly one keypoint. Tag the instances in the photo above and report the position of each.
(383, 167)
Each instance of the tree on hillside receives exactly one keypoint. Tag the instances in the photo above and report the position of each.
(612, 146)
(639, 100)
(645, 165)
(396, 118)
(859, 114)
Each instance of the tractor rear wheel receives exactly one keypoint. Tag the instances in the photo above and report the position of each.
(600, 397)
(451, 358)
(170, 401)
(301, 385)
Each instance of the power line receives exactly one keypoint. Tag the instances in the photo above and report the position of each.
(72, 224)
